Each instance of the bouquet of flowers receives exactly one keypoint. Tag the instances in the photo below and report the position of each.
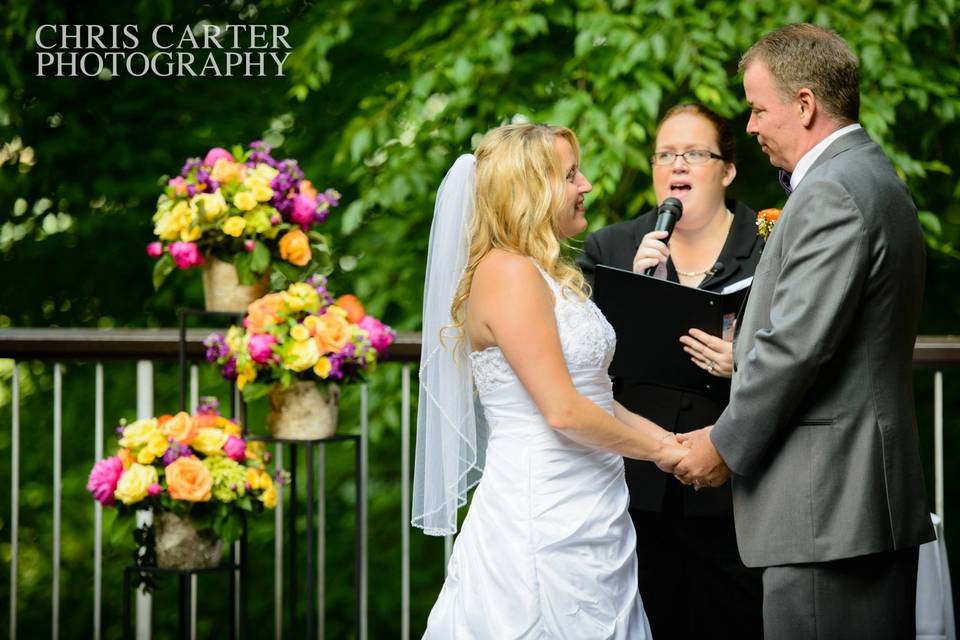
(197, 465)
(300, 333)
(243, 207)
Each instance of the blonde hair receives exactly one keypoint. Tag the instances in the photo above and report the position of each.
(520, 188)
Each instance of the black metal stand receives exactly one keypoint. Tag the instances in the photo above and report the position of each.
(185, 596)
(310, 623)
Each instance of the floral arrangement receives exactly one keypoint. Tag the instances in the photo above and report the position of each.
(300, 333)
(243, 207)
(197, 465)
(766, 219)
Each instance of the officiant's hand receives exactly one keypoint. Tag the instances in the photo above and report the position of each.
(712, 354)
(651, 252)
(703, 466)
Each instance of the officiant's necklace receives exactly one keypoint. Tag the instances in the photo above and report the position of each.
(694, 274)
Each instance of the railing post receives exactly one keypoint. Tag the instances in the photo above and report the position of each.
(405, 504)
(97, 507)
(14, 497)
(57, 493)
(938, 442)
(362, 506)
(278, 550)
(144, 410)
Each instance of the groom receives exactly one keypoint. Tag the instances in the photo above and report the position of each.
(820, 435)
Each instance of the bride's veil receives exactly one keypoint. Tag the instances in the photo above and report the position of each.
(451, 433)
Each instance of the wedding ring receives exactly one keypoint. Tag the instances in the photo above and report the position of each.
(711, 366)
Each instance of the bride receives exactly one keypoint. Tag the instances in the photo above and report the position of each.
(547, 548)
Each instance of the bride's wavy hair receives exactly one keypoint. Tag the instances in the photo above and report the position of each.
(520, 188)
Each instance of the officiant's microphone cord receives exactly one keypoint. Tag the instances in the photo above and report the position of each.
(668, 213)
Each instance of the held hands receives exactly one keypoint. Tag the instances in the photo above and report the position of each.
(651, 252)
(712, 354)
(671, 453)
(703, 466)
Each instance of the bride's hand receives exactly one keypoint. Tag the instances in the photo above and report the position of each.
(670, 454)
(651, 252)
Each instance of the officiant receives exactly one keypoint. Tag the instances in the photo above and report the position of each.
(691, 578)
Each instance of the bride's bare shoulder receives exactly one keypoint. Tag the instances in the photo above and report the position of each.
(500, 266)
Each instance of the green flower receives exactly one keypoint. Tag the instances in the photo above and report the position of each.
(229, 478)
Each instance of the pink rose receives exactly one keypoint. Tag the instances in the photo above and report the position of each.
(260, 347)
(155, 249)
(381, 336)
(216, 154)
(249, 245)
(186, 254)
(235, 448)
(304, 210)
(103, 480)
(154, 490)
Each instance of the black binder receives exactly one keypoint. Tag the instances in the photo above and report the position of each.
(649, 316)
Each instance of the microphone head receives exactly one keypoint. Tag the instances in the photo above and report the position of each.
(671, 205)
(717, 267)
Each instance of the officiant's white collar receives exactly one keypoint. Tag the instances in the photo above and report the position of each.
(811, 156)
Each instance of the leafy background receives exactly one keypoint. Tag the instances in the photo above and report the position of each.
(377, 100)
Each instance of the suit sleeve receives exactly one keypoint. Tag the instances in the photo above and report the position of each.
(589, 258)
(823, 272)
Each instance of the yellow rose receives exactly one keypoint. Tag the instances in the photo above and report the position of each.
(209, 441)
(138, 434)
(156, 447)
(189, 479)
(234, 338)
(262, 192)
(212, 205)
(190, 234)
(224, 170)
(322, 368)
(234, 226)
(253, 478)
(264, 173)
(295, 247)
(244, 200)
(301, 297)
(134, 483)
(269, 496)
(299, 356)
(247, 374)
(229, 427)
(300, 333)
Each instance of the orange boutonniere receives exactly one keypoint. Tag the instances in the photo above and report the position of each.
(766, 218)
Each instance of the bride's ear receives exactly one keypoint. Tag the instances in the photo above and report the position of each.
(729, 173)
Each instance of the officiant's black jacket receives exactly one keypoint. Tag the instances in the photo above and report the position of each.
(672, 409)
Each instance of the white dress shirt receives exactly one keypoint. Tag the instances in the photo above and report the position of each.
(811, 156)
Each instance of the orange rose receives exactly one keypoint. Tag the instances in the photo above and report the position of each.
(188, 479)
(766, 218)
(263, 312)
(181, 428)
(205, 420)
(295, 248)
(768, 215)
(351, 304)
(126, 458)
(331, 330)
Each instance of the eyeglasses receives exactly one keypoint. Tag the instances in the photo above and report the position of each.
(693, 156)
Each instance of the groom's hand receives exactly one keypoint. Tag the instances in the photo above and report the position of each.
(703, 466)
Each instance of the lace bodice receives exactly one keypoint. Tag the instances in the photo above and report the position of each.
(587, 339)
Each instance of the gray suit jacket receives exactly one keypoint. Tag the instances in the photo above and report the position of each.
(820, 432)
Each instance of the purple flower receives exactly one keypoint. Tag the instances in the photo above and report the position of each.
(186, 254)
(208, 405)
(155, 249)
(216, 344)
(332, 196)
(191, 190)
(381, 336)
(190, 165)
(215, 154)
(103, 479)
(154, 490)
(229, 369)
(260, 347)
(175, 450)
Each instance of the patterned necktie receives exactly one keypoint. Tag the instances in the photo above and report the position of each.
(785, 182)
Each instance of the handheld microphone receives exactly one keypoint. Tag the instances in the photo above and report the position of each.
(668, 213)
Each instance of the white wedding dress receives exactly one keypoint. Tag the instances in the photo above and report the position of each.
(547, 547)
